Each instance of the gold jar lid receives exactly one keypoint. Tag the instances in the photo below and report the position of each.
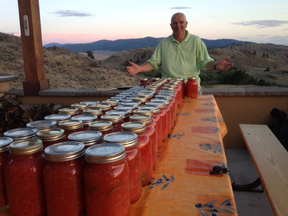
(42, 124)
(111, 102)
(24, 147)
(51, 134)
(115, 118)
(64, 151)
(127, 139)
(157, 100)
(148, 112)
(134, 104)
(126, 100)
(155, 79)
(92, 111)
(154, 109)
(88, 137)
(90, 103)
(70, 124)
(167, 92)
(4, 143)
(159, 104)
(79, 106)
(101, 126)
(141, 118)
(126, 108)
(58, 117)
(86, 118)
(21, 133)
(70, 111)
(144, 79)
(104, 107)
(135, 127)
(105, 153)
(163, 96)
(123, 113)
(140, 99)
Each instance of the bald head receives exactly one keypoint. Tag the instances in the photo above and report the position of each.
(178, 15)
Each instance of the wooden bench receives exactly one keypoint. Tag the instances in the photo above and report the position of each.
(271, 161)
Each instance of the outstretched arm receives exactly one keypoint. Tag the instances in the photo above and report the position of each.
(135, 69)
(223, 65)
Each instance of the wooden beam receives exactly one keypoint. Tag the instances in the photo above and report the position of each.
(32, 47)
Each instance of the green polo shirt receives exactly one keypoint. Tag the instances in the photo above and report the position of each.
(183, 59)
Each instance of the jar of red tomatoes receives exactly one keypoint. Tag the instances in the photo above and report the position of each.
(130, 142)
(24, 179)
(86, 120)
(115, 119)
(51, 136)
(88, 138)
(151, 131)
(4, 154)
(144, 82)
(105, 127)
(21, 133)
(107, 180)
(63, 178)
(191, 88)
(70, 126)
(145, 146)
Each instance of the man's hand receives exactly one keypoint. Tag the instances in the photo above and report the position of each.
(224, 65)
(133, 69)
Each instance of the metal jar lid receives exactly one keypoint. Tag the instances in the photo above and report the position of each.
(4, 143)
(24, 147)
(126, 100)
(156, 100)
(105, 153)
(90, 103)
(123, 113)
(141, 118)
(64, 151)
(117, 98)
(88, 136)
(57, 117)
(21, 133)
(159, 104)
(70, 111)
(154, 109)
(79, 106)
(127, 108)
(42, 124)
(134, 104)
(115, 118)
(167, 92)
(86, 118)
(127, 139)
(51, 134)
(135, 127)
(93, 111)
(101, 126)
(104, 107)
(70, 124)
(163, 96)
(111, 102)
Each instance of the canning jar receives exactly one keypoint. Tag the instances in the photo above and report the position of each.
(4, 154)
(169, 111)
(57, 117)
(151, 131)
(63, 178)
(51, 136)
(103, 107)
(69, 111)
(105, 127)
(145, 147)
(86, 120)
(107, 180)
(113, 103)
(125, 114)
(24, 178)
(130, 142)
(70, 126)
(80, 107)
(21, 133)
(93, 111)
(144, 82)
(42, 124)
(88, 138)
(191, 88)
(115, 119)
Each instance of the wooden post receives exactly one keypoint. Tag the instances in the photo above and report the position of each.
(32, 47)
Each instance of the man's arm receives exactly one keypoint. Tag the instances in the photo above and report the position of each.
(223, 65)
(135, 69)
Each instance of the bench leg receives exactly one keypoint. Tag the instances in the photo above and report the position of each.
(249, 187)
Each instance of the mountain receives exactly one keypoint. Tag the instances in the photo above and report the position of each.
(130, 44)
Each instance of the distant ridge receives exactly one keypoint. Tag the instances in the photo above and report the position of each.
(130, 44)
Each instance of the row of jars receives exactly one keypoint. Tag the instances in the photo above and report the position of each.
(149, 108)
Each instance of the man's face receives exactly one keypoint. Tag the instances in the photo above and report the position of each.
(178, 24)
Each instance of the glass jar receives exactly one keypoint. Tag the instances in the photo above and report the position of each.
(172, 103)
(145, 147)
(133, 104)
(86, 120)
(143, 82)
(21, 133)
(88, 138)
(42, 124)
(93, 111)
(70, 126)
(130, 142)
(51, 136)
(80, 107)
(57, 117)
(105, 127)
(157, 117)
(164, 118)
(113, 103)
(169, 111)
(4, 154)
(63, 178)
(191, 88)
(128, 109)
(69, 111)
(151, 131)
(115, 119)
(24, 179)
(125, 114)
(106, 180)
(103, 107)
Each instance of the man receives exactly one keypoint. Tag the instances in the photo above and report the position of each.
(180, 55)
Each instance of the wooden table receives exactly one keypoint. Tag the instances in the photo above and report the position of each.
(181, 182)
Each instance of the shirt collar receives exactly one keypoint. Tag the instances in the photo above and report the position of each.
(173, 40)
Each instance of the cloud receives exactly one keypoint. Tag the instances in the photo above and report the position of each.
(180, 8)
(71, 13)
(263, 23)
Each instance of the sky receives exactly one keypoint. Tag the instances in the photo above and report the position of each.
(84, 21)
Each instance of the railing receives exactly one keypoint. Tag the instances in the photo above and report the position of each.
(237, 105)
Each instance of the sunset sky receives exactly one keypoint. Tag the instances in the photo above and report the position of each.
(75, 21)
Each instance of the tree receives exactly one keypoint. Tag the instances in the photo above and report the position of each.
(254, 52)
(267, 55)
(263, 54)
(90, 54)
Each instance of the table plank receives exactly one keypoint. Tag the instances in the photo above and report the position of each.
(271, 161)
